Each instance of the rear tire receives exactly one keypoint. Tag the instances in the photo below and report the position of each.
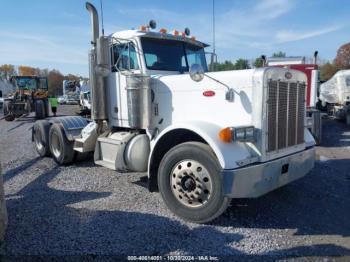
(39, 109)
(190, 182)
(60, 147)
(41, 131)
(347, 115)
(46, 106)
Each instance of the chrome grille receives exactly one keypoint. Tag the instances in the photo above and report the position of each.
(285, 114)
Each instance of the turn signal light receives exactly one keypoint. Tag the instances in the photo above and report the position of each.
(237, 134)
(163, 31)
(225, 135)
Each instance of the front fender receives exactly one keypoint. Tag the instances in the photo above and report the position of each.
(227, 153)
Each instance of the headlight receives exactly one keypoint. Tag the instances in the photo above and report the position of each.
(239, 134)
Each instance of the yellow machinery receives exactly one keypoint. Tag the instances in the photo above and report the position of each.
(31, 95)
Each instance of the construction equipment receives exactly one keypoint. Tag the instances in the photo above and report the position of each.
(203, 138)
(30, 95)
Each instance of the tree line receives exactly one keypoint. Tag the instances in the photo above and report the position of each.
(327, 68)
(55, 77)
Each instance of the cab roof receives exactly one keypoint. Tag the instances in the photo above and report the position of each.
(129, 34)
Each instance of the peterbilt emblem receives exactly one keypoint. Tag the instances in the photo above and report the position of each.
(209, 93)
(288, 75)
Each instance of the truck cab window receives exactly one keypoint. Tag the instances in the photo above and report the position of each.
(347, 81)
(124, 57)
(171, 55)
(196, 55)
(43, 83)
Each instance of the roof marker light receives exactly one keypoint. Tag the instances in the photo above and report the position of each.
(143, 28)
(163, 31)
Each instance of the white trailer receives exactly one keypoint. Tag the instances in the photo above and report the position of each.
(335, 94)
(203, 138)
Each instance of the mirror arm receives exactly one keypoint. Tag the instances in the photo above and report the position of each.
(228, 88)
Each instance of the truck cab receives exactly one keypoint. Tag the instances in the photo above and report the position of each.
(202, 137)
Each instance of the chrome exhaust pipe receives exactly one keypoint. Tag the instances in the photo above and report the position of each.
(315, 57)
(264, 62)
(95, 29)
(97, 56)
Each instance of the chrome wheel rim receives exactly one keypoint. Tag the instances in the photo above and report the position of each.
(55, 145)
(191, 183)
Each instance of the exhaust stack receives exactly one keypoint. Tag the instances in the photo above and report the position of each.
(98, 70)
(95, 30)
(264, 62)
(315, 57)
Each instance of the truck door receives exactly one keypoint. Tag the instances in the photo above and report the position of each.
(125, 60)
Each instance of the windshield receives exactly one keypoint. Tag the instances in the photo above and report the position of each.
(30, 83)
(26, 83)
(172, 55)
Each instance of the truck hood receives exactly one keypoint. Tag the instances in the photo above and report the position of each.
(206, 100)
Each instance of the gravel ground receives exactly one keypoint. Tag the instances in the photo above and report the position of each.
(84, 209)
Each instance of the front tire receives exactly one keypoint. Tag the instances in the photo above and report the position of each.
(9, 116)
(190, 182)
(60, 147)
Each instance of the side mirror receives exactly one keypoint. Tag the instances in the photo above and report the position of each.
(196, 72)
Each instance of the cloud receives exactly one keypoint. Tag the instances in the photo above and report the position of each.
(289, 36)
(51, 51)
(271, 9)
(23, 36)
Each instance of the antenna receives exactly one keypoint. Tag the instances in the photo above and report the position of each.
(214, 26)
(103, 28)
(213, 55)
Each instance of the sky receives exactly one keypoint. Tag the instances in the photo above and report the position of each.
(56, 34)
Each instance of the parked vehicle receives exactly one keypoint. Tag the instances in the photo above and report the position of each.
(61, 100)
(203, 138)
(85, 102)
(31, 95)
(314, 119)
(71, 91)
(335, 94)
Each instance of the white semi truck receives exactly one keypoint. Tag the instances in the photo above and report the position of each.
(203, 138)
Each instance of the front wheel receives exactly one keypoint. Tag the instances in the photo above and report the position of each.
(190, 182)
(9, 116)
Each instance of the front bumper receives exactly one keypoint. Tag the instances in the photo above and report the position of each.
(256, 180)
